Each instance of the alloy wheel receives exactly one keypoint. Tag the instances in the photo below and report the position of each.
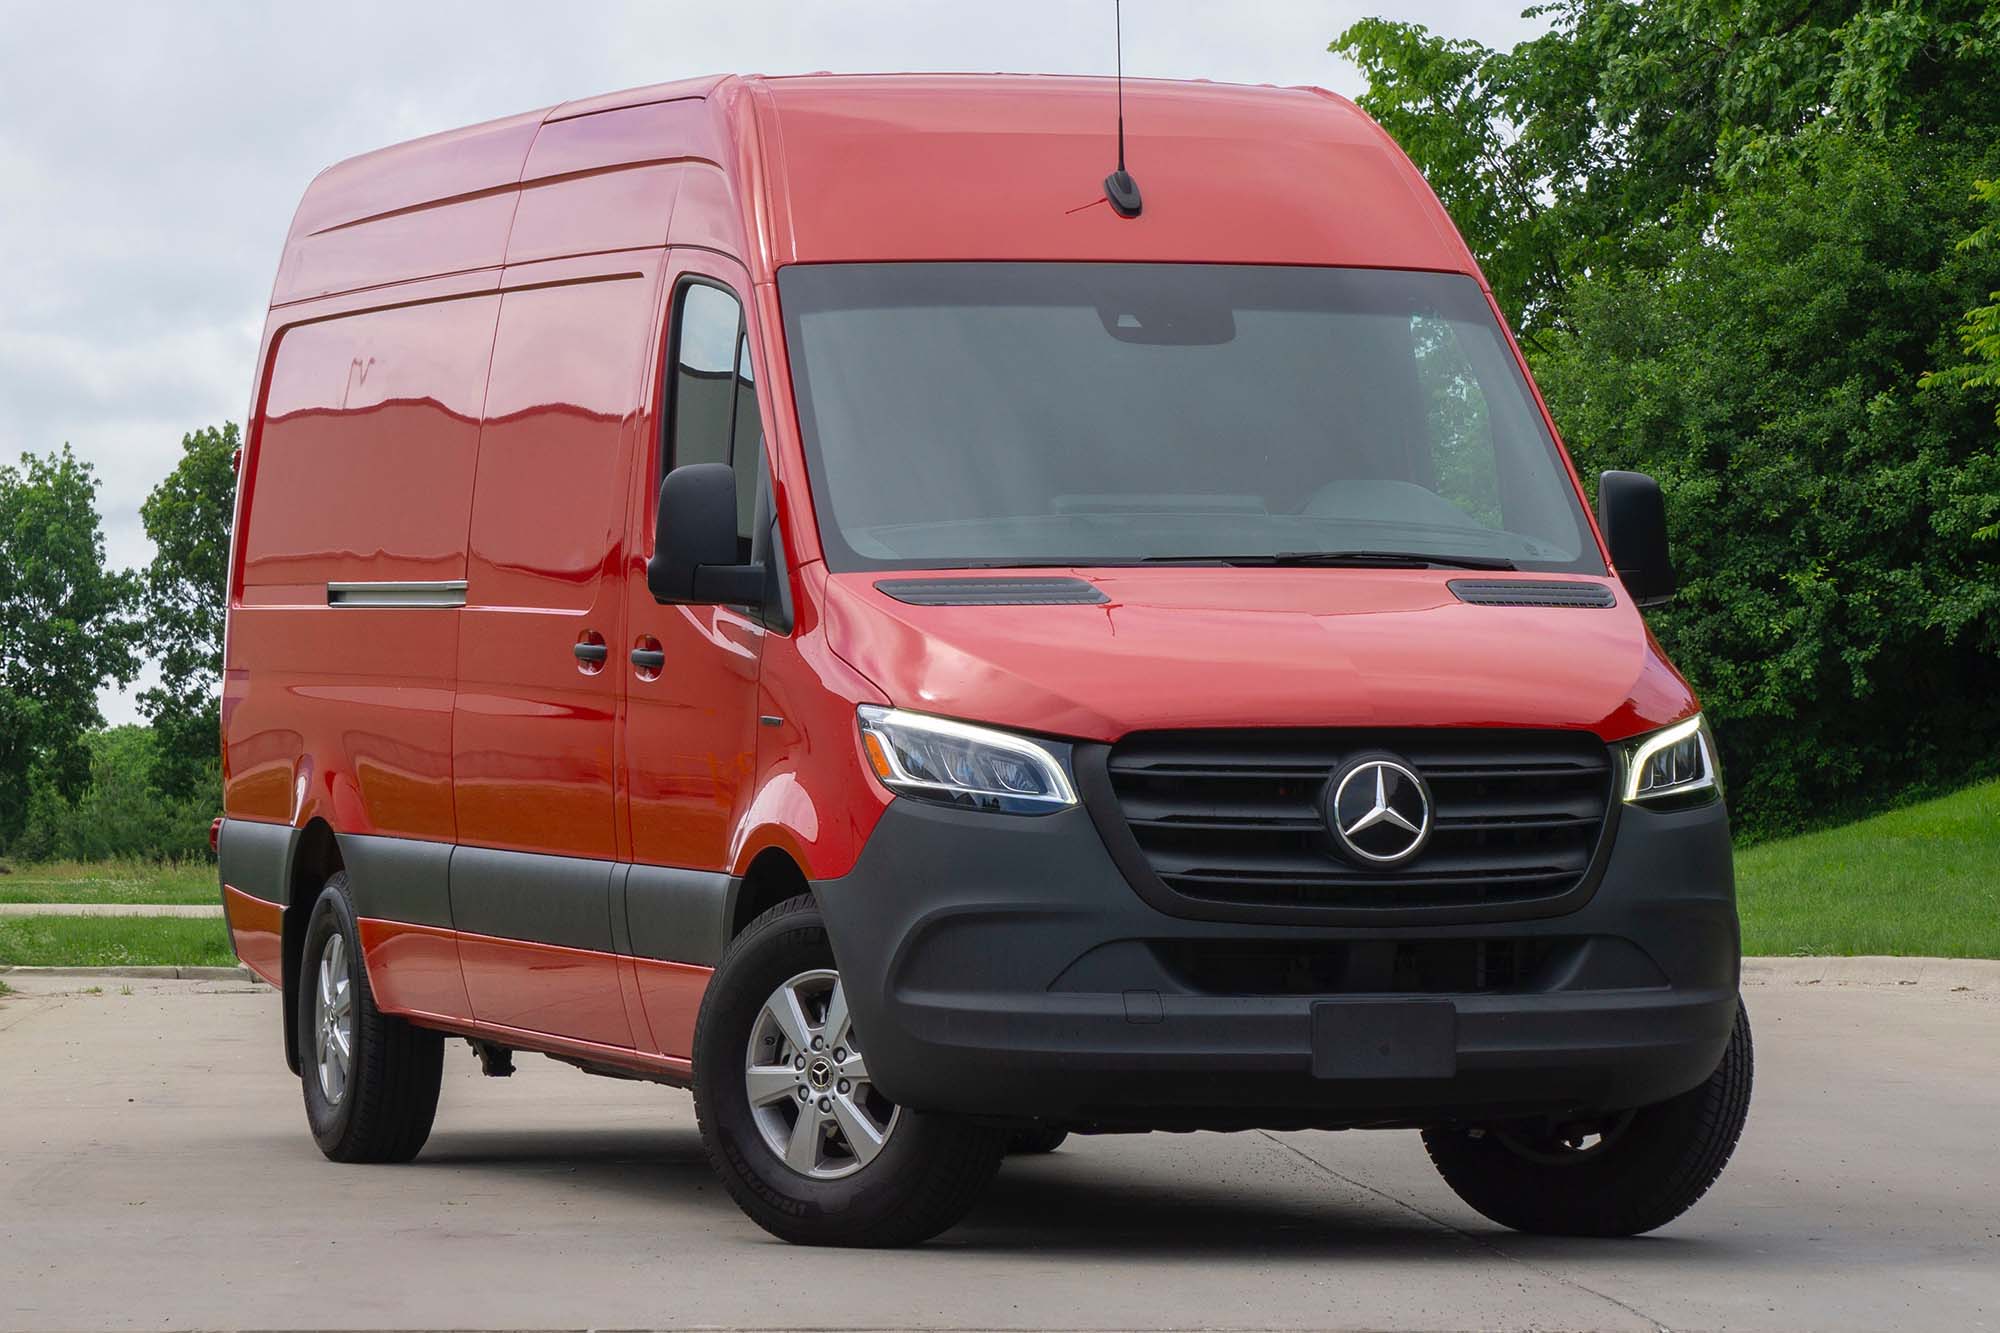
(333, 1020)
(808, 1083)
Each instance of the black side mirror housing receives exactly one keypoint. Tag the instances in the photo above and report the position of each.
(1633, 516)
(694, 541)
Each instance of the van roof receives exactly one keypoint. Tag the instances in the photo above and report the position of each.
(827, 167)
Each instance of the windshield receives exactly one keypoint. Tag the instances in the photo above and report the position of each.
(1004, 414)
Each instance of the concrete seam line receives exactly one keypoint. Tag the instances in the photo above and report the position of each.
(1480, 1241)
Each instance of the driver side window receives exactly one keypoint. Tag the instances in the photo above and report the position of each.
(712, 395)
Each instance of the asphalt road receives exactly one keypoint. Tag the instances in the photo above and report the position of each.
(155, 1171)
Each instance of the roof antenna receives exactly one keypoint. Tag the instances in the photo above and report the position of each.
(1119, 187)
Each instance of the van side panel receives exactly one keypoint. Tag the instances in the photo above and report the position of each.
(441, 204)
(603, 182)
(535, 729)
(360, 474)
(535, 723)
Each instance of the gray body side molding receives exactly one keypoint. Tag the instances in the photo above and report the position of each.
(641, 911)
(256, 858)
(399, 879)
(681, 916)
(562, 900)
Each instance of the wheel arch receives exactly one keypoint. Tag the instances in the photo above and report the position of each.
(772, 877)
(315, 859)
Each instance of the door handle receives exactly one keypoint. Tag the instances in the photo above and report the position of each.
(648, 659)
(596, 653)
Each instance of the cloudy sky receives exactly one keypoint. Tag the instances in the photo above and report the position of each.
(155, 151)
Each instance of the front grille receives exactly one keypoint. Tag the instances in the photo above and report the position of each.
(1236, 817)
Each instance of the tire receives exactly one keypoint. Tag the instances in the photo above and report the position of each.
(1035, 1142)
(378, 1108)
(918, 1175)
(1649, 1167)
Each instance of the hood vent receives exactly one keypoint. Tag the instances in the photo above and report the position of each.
(1532, 592)
(994, 592)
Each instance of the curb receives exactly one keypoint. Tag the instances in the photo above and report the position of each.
(1929, 974)
(136, 973)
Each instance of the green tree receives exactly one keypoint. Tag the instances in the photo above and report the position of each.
(66, 628)
(1840, 602)
(1737, 236)
(188, 516)
(1581, 151)
(1979, 331)
(120, 814)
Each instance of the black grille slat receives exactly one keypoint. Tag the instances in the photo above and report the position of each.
(1235, 817)
(1275, 860)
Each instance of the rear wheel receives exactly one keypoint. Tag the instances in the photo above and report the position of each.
(1616, 1175)
(803, 1140)
(371, 1080)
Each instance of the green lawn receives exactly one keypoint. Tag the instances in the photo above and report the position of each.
(1919, 881)
(110, 882)
(114, 941)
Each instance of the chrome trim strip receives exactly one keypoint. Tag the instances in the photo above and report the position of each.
(445, 593)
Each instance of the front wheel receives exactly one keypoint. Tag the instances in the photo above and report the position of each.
(803, 1140)
(1616, 1175)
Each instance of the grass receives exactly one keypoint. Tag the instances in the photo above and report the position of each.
(1924, 880)
(114, 941)
(110, 882)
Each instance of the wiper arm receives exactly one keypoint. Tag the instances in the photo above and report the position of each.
(1351, 559)
(1416, 559)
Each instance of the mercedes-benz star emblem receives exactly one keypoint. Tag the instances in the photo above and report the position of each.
(1379, 810)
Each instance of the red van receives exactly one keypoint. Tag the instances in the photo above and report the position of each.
(801, 589)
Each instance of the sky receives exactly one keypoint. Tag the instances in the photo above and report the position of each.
(156, 151)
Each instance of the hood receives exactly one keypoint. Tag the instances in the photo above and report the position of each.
(1265, 647)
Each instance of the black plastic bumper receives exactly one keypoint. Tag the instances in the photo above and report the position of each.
(1002, 966)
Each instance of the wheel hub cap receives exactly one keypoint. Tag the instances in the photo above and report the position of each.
(333, 1021)
(807, 1080)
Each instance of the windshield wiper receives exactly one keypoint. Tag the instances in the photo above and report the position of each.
(1353, 559)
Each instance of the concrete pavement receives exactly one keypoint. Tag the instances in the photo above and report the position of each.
(155, 1171)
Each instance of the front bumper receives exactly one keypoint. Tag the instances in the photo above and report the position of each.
(1002, 966)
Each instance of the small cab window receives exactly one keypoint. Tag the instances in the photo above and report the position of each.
(713, 405)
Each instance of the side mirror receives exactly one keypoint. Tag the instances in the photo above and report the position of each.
(694, 541)
(1634, 520)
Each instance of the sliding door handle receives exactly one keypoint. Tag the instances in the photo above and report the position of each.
(648, 659)
(595, 653)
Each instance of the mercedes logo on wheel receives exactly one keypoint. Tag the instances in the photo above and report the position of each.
(1379, 810)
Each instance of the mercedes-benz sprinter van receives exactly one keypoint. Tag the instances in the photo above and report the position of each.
(804, 590)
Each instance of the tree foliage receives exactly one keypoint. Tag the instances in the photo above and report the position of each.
(1588, 148)
(1979, 331)
(1750, 251)
(188, 517)
(66, 629)
(120, 813)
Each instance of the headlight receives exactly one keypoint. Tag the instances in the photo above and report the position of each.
(1673, 766)
(955, 763)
